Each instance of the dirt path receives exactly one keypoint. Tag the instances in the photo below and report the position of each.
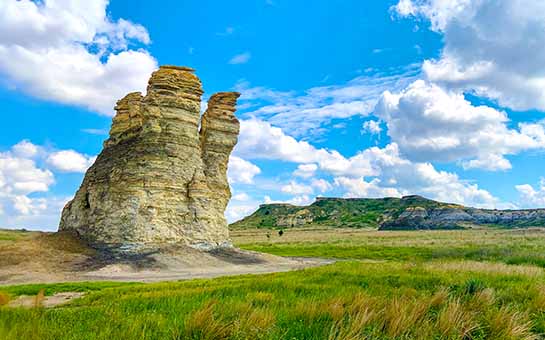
(58, 299)
(52, 257)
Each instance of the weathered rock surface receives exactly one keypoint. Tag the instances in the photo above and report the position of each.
(159, 178)
(459, 217)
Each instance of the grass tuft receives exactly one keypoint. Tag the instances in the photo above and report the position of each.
(510, 325)
(203, 325)
(454, 321)
(39, 299)
(4, 299)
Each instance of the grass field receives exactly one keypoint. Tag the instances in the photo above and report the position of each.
(386, 285)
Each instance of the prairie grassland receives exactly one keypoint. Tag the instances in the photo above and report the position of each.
(520, 246)
(411, 297)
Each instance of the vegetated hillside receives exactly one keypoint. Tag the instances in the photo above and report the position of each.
(409, 212)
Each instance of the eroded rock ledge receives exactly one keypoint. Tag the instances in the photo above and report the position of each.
(159, 179)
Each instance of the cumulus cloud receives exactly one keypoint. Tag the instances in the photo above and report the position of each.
(260, 140)
(295, 188)
(530, 197)
(241, 171)
(397, 176)
(25, 149)
(241, 196)
(503, 61)
(305, 170)
(372, 127)
(26, 176)
(20, 177)
(432, 124)
(321, 185)
(240, 206)
(32, 213)
(359, 187)
(70, 161)
(490, 162)
(72, 52)
(236, 210)
(296, 200)
(384, 170)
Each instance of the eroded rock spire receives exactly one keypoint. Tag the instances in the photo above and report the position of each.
(159, 179)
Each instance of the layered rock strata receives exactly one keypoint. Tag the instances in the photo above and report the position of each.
(160, 178)
(463, 217)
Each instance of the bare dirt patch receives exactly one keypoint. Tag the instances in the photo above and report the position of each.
(58, 299)
(35, 257)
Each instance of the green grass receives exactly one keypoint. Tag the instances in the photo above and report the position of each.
(509, 255)
(50, 289)
(511, 247)
(426, 285)
(310, 304)
(12, 235)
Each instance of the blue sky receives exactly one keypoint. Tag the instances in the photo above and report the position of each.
(348, 98)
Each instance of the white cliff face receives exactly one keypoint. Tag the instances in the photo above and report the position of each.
(159, 179)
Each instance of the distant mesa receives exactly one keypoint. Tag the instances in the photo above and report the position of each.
(407, 213)
(160, 178)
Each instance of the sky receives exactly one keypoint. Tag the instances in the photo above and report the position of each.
(348, 98)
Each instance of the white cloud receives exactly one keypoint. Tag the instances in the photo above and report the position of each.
(432, 124)
(296, 200)
(25, 149)
(240, 206)
(70, 161)
(21, 176)
(494, 48)
(490, 162)
(358, 187)
(241, 171)
(33, 213)
(384, 170)
(321, 184)
(236, 211)
(261, 140)
(372, 127)
(25, 205)
(25, 182)
(295, 188)
(21, 179)
(405, 8)
(242, 197)
(242, 58)
(530, 197)
(397, 176)
(305, 170)
(307, 113)
(72, 52)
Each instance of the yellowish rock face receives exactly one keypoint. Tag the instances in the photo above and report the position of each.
(159, 179)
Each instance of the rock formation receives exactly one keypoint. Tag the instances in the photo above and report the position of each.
(159, 179)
